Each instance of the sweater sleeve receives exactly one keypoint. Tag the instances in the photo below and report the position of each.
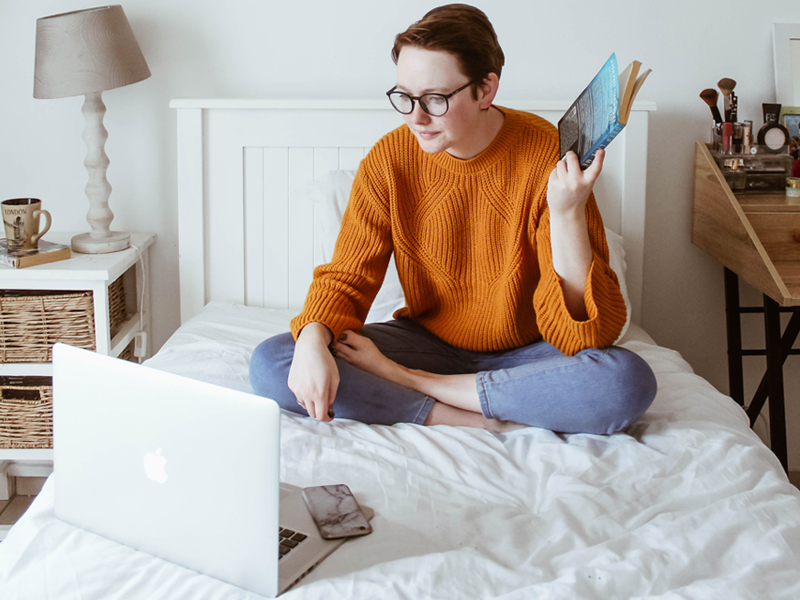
(605, 305)
(342, 291)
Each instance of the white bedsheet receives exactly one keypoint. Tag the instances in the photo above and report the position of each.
(687, 503)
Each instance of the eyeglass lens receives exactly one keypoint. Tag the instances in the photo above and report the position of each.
(434, 104)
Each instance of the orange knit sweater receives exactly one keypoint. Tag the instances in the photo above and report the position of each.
(471, 240)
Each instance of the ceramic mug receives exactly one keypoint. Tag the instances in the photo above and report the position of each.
(21, 220)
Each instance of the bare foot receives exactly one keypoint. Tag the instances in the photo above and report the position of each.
(456, 395)
(444, 414)
(362, 352)
(498, 426)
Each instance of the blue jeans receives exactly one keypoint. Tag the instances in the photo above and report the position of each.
(595, 391)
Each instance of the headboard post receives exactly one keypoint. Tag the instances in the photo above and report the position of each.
(632, 207)
(191, 211)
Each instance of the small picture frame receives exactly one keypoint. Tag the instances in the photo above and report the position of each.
(790, 118)
(785, 46)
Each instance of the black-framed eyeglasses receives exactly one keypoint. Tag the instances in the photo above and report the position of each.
(436, 105)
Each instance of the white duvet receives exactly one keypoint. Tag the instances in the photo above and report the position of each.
(687, 503)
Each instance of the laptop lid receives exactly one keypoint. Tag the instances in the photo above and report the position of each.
(177, 468)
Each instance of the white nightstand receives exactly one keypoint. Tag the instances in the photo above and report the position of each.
(82, 272)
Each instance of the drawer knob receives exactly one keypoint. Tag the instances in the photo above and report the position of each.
(796, 236)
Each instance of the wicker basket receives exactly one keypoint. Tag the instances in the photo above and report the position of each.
(26, 412)
(127, 353)
(32, 321)
(117, 311)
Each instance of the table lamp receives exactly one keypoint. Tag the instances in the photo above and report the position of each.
(87, 52)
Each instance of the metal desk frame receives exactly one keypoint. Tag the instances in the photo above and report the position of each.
(778, 348)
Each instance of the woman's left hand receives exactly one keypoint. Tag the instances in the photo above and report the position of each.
(568, 187)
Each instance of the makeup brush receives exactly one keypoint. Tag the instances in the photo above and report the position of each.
(726, 85)
(710, 96)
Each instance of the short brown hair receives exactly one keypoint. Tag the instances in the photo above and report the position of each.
(462, 30)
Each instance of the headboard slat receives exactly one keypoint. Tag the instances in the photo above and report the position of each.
(301, 225)
(275, 240)
(254, 226)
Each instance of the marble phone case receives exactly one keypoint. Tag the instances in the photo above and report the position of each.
(335, 511)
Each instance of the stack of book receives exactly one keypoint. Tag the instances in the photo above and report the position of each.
(47, 252)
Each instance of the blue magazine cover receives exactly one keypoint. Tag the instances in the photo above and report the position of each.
(592, 122)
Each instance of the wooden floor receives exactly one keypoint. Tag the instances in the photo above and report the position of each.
(13, 509)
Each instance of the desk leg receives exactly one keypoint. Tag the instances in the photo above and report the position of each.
(733, 319)
(777, 411)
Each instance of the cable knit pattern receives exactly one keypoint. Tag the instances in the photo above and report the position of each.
(471, 240)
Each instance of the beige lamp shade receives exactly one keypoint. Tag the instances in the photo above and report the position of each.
(86, 51)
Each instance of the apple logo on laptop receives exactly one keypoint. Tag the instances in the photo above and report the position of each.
(154, 466)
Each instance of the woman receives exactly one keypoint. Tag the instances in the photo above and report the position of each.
(511, 307)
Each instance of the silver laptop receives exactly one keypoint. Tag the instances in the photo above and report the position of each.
(180, 469)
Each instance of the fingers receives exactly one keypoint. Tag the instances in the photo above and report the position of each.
(314, 379)
(568, 187)
(568, 175)
(346, 344)
(565, 168)
(593, 172)
(571, 162)
(570, 165)
(348, 338)
(319, 409)
(342, 351)
(315, 390)
(561, 166)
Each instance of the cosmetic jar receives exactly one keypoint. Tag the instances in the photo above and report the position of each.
(793, 187)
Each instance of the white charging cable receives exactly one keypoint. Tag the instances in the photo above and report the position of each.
(140, 339)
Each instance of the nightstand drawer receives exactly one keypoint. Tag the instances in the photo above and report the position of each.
(779, 233)
(31, 321)
(26, 412)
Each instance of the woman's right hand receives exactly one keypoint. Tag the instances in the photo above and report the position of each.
(314, 376)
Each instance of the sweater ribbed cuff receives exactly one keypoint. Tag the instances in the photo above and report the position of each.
(605, 308)
(323, 310)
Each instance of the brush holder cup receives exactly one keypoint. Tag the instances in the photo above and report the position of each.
(716, 137)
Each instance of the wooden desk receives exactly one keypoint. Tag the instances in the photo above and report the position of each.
(756, 237)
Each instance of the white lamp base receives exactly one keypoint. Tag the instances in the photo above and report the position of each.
(101, 240)
(86, 244)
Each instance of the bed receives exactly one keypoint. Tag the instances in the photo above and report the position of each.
(685, 503)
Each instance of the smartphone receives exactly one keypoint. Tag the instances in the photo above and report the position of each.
(335, 511)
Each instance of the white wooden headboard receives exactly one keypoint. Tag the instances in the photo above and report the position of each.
(246, 230)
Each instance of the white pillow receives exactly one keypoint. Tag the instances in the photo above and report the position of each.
(332, 192)
(616, 260)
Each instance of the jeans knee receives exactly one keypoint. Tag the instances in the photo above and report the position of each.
(636, 387)
(269, 369)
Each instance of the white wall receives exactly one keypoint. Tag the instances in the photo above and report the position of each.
(310, 49)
